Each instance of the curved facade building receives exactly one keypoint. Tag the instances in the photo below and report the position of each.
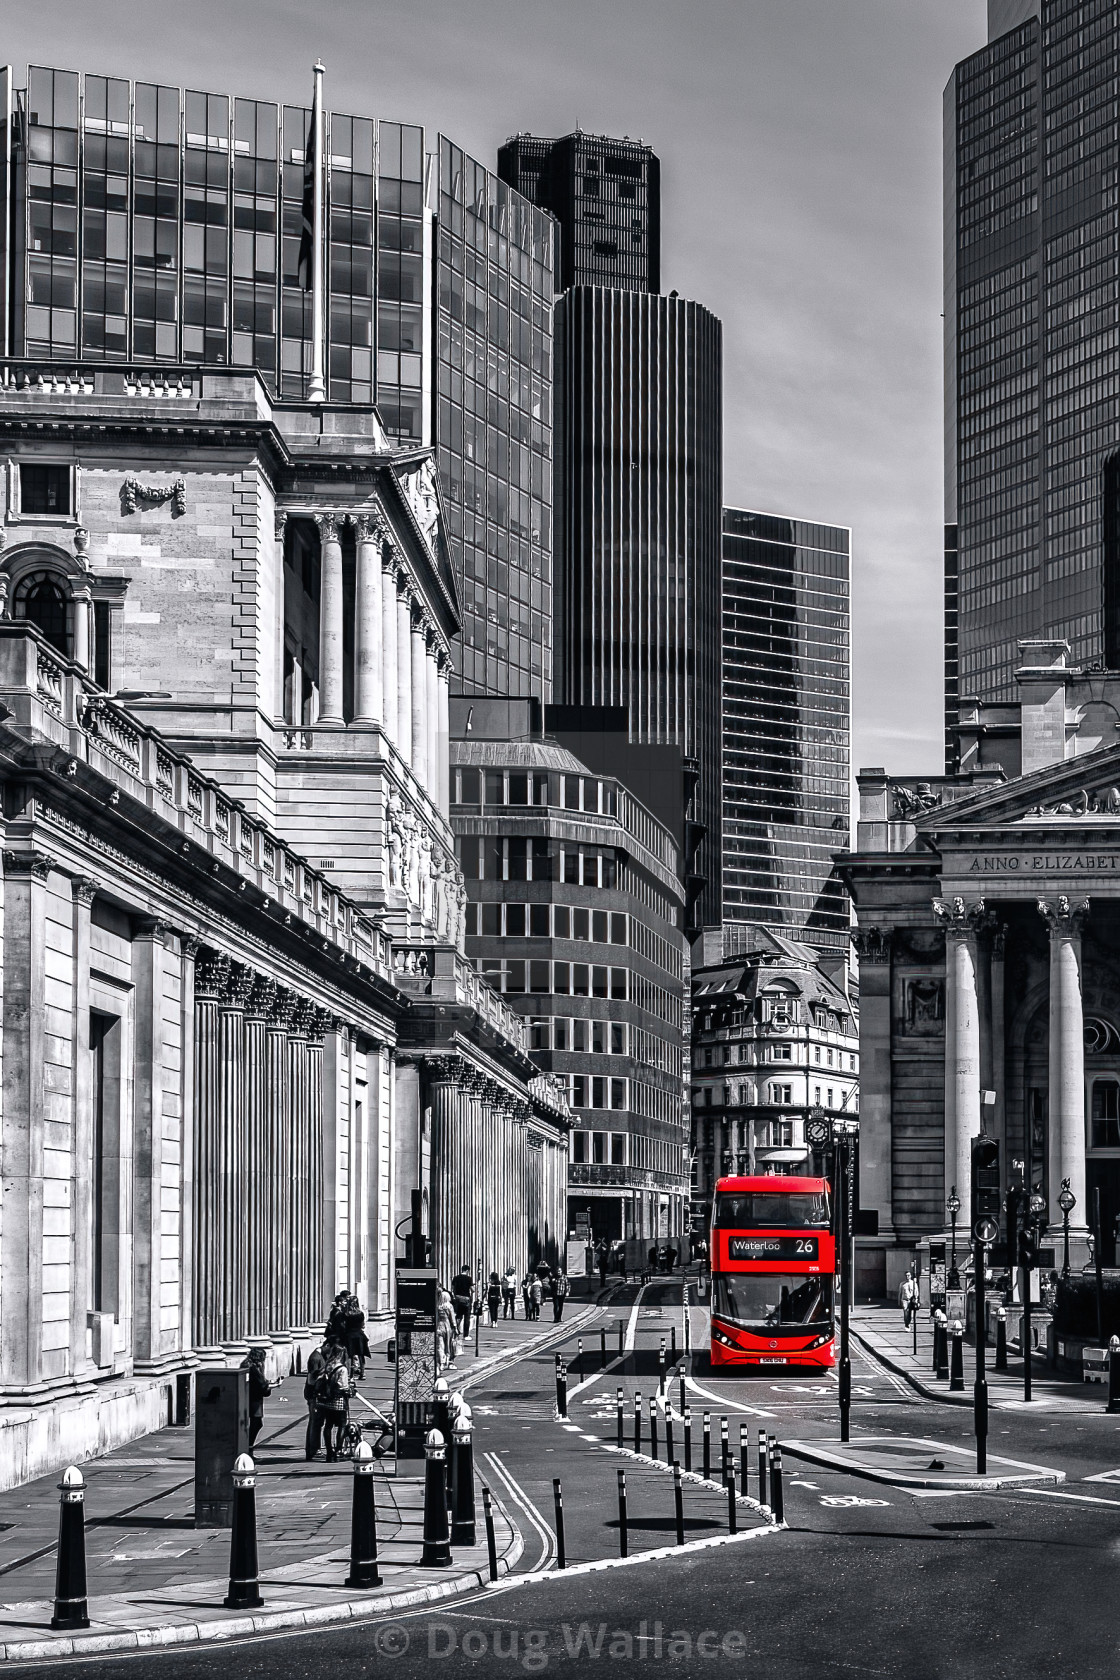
(638, 506)
(575, 911)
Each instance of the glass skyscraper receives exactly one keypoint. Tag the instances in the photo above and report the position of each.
(1032, 341)
(639, 475)
(786, 725)
(146, 223)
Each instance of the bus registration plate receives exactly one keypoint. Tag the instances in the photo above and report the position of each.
(779, 1360)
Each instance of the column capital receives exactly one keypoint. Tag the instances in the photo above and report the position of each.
(84, 890)
(873, 945)
(1063, 918)
(211, 975)
(36, 864)
(282, 1009)
(261, 997)
(369, 526)
(958, 917)
(280, 520)
(330, 525)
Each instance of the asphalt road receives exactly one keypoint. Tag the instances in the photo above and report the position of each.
(868, 1579)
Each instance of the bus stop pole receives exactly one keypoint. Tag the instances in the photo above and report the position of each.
(844, 1222)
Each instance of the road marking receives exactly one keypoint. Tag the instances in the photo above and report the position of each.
(632, 1325)
(797, 1482)
(1080, 1498)
(1104, 1476)
(721, 1400)
(517, 1493)
(846, 1501)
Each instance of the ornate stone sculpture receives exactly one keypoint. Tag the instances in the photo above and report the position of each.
(1062, 917)
(133, 492)
(1103, 802)
(958, 917)
(911, 802)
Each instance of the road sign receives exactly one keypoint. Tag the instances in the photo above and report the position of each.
(986, 1230)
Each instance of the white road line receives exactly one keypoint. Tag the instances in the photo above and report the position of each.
(1051, 1493)
(632, 1324)
(517, 1493)
(722, 1400)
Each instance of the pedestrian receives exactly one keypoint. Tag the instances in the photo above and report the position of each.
(493, 1297)
(602, 1255)
(561, 1289)
(461, 1298)
(259, 1390)
(446, 1328)
(509, 1292)
(908, 1298)
(527, 1303)
(336, 1319)
(536, 1295)
(316, 1365)
(332, 1395)
(357, 1343)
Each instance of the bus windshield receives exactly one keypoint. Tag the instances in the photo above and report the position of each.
(786, 1210)
(768, 1301)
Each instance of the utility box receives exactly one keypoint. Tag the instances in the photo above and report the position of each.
(221, 1434)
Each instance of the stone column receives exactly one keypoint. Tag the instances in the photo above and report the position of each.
(148, 954)
(83, 1165)
(211, 979)
(220, 1252)
(389, 644)
(278, 1098)
(367, 621)
(1067, 1058)
(188, 952)
(419, 699)
(260, 1232)
(443, 681)
(313, 1257)
(404, 671)
(431, 707)
(962, 1039)
(330, 618)
(299, 1106)
(82, 607)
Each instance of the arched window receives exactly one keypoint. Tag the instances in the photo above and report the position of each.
(1106, 1114)
(42, 602)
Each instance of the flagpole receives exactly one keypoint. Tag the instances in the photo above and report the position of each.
(317, 389)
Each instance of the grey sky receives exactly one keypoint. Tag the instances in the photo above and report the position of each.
(801, 165)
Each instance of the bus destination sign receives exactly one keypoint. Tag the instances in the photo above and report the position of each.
(772, 1248)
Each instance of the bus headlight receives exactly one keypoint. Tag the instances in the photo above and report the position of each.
(724, 1340)
(819, 1341)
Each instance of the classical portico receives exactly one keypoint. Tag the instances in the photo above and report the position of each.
(989, 925)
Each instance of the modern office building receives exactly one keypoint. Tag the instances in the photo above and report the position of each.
(774, 1036)
(1032, 212)
(606, 195)
(638, 501)
(575, 913)
(145, 223)
(787, 714)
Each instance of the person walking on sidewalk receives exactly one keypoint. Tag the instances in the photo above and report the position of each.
(602, 1259)
(509, 1292)
(316, 1365)
(259, 1390)
(331, 1397)
(461, 1298)
(357, 1343)
(536, 1295)
(908, 1298)
(561, 1289)
(493, 1297)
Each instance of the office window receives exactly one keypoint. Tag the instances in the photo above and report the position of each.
(1106, 1114)
(44, 489)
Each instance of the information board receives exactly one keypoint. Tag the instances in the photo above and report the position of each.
(416, 1362)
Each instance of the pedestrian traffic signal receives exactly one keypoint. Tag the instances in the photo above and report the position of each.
(1028, 1248)
(985, 1184)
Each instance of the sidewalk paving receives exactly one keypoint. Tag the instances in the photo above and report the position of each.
(156, 1579)
(880, 1330)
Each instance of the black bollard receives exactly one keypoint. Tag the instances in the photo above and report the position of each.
(724, 1455)
(363, 1523)
(602, 1346)
(669, 1433)
(744, 1456)
(558, 1503)
(652, 1430)
(661, 1368)
(680, 1408)
(673, 1343)
(618, 1406)
(436, 1553)
(707, 1446)
(561, 1389)
(463, 1530)
(441, 1407)
(244, 1589)
(1113, 1375)
(688, 1438)
(1001, 1339)
(622, 1513)
(71, 1609)
(933, 1356)
(732, 1508)
(777, 1497)
(678, 1502)
(771, 1445)
(491, 1542)
(621, 1343)
(956, 1376)
(762, 1467)
(579, 1356)
(942, 1332)
(637, 1423)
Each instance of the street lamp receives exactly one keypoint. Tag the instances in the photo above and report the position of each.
(954, 1206)
(845, 1132)
(1067, 1201)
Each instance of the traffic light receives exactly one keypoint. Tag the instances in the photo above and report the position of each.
(1028, 1247)
(985, 1208)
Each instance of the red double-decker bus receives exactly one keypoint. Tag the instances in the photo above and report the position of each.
(773, 1270)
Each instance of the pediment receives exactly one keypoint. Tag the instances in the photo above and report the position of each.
(420, 491)
(1085, 790)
